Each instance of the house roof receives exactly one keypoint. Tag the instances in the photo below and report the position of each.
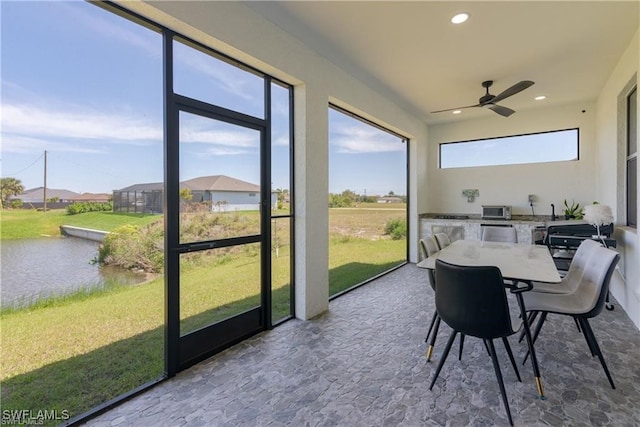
(203, 183)
(92, 197)
(35, 195)
(150, 186)
(220, 183)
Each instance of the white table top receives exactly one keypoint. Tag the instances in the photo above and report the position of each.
(515, 260)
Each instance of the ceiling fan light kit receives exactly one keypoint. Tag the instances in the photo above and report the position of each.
(491, 101)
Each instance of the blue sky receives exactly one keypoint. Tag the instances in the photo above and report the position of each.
(86, 86)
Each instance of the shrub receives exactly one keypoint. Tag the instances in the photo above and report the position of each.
(134, 247)
(83, 207)
(396, 228)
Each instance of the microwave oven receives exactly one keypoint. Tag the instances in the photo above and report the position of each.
(496, 212)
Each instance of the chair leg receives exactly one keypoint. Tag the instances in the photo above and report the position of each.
(496, 367)
(443, 358)
(433, 339)
(586, 327)
(461, 345)
(486, 347)
(530, 318)
(586, 337)
(433, 321)
(510, 353)
(536, 332)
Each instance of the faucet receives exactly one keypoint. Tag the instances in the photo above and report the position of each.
(553, 212)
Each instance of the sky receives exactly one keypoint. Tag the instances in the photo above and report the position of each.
(86, 86)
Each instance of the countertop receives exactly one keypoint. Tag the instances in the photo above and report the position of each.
(515, 219)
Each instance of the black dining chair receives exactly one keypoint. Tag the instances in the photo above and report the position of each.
(584, 303)
(473, 301)
(429, 246)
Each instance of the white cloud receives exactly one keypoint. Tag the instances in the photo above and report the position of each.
(25, 145)
(358, 140)
(227, 77)
(218, 137)
(120, 32)
(224, 151)
(280, 140)
(34, 122)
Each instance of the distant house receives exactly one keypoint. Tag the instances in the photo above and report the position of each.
(92, 197)
(34, 198)
(389, 199)
(219, 192)
(36, 195)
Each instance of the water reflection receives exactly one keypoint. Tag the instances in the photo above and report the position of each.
(36, 268)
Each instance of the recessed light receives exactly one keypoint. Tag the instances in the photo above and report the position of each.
(540, 98)
(457, 111)
(460, 18)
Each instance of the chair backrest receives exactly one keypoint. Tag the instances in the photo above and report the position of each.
(579, 262)
(499, 234)
(472, 300)
(429, 246)
(596, 278)
(443, 240)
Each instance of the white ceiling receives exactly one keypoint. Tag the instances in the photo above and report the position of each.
(414, 55)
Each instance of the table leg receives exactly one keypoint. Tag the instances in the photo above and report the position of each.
(534, 359)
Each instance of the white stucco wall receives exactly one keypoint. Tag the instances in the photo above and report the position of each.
(511, 184)
(232, 28)
(611, 153)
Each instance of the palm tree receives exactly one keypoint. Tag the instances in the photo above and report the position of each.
(9, 187)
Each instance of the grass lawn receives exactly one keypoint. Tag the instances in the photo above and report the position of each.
(80, 351)
(31, 224)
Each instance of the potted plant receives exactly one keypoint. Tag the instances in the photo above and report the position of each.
(572, 211)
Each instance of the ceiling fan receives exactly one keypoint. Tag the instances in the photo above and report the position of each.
(490, 101)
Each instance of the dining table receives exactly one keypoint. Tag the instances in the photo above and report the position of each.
(520, 264)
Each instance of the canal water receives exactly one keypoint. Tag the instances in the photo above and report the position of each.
(37, 268)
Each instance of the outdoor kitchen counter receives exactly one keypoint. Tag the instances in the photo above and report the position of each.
(466, 226)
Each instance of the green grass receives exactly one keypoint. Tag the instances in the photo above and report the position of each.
(31, 224)
(352, 261)
(76, 352)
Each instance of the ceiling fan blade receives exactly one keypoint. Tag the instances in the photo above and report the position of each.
(453, 109)
(503, 111)
(518, 87)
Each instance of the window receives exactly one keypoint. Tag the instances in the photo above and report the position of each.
(367, 200)
(82, 102)
(553, 146)
(632, 158)
(83, 86)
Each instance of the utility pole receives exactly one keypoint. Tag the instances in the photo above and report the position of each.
(44, 193)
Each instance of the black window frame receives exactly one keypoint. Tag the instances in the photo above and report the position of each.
(631, 164)
(170, 349)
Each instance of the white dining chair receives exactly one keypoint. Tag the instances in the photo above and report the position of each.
(428, 246)
(572, 279)
(585, 302)
(499, 234)
(443, 240)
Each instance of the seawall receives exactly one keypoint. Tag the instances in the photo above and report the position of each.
(83, 233)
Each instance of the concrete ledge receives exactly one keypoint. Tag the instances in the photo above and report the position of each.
(83, 233)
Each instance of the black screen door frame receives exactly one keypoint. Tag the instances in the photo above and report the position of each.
(184, 351)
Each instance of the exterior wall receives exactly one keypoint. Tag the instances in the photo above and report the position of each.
(511, 184)
(235, 200)
(610, 166)
(234, 29)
